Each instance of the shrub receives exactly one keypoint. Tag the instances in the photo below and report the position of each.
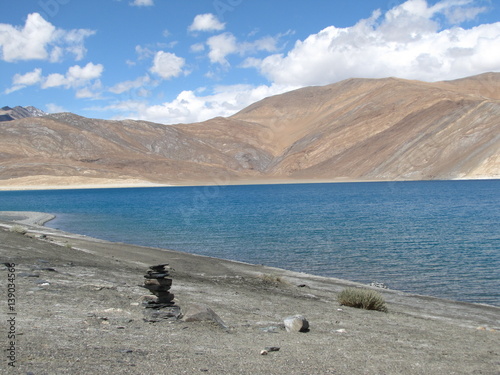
(362, 299)
(18, 229)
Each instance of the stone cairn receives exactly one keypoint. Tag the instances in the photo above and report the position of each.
(157, 281)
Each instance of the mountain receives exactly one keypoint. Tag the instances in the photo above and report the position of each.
(9, 114)
(357, 129)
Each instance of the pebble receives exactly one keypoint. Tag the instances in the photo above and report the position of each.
(269, 349)
(272, 348)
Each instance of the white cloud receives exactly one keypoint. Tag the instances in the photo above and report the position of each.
(142, 3)
(459, 15)
(198, 47)
(167, 65)
(54, 80)
(457, 11)
(55, 108)
(20, 81)
(40, 40)
(226, 44)
(221, 46)
(206, 22)
(191, 106)
(84, 79)
(406, 42)
(28, 79)
(76, 76)
(125, 86)
(143, 52)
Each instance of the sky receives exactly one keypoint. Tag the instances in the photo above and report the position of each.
(183, 61)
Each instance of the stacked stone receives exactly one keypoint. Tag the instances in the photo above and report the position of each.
(158, 283)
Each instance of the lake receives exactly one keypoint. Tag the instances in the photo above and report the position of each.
(438, 238)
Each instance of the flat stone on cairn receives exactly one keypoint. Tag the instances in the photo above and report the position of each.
(158, 283)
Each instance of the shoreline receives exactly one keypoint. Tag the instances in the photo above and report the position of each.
(39, 219)
(27, 217)
(69, 183)
(80, 311)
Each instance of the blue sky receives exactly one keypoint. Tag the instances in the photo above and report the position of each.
(173, 61)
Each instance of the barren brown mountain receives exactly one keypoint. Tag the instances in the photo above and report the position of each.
(358, 129)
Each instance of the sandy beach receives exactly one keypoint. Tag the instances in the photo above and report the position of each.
(62, 183)
(78, 304)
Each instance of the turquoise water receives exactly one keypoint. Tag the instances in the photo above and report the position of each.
(439, 238)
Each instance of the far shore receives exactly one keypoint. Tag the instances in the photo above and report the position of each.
(72, 183)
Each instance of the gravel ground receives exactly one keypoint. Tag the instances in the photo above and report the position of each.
(78, 305)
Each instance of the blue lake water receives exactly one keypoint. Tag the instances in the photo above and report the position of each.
(439, 238)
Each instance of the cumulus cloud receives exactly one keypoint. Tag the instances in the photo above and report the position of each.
(408, 42)
(38, 39)
(20, 81)
(142, 3)
(167, 65)
(221, 46)
(76, 76)
(226, 44)
(84, 79)
(194, 106)
(206, 22)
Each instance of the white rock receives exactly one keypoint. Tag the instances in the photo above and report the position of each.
(296, 323)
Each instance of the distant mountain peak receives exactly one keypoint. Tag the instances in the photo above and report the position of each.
(8, 114)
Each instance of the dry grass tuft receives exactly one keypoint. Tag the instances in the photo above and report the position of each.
(18, 229)
(362, 299)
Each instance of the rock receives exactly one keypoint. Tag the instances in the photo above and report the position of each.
(378, 285)
(296, 323)
(159, 267)
(165, 297)
(169, 313)
(272, 348)
(156, 275)
(158, 282)
(146, 299)
(269, 349)
(203, 313)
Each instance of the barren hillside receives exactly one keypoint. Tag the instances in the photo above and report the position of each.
(361, 129)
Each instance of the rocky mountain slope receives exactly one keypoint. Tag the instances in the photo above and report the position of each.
(360, 129)
(9, 114)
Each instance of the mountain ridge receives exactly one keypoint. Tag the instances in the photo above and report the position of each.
(9, 114)
(357, 129)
